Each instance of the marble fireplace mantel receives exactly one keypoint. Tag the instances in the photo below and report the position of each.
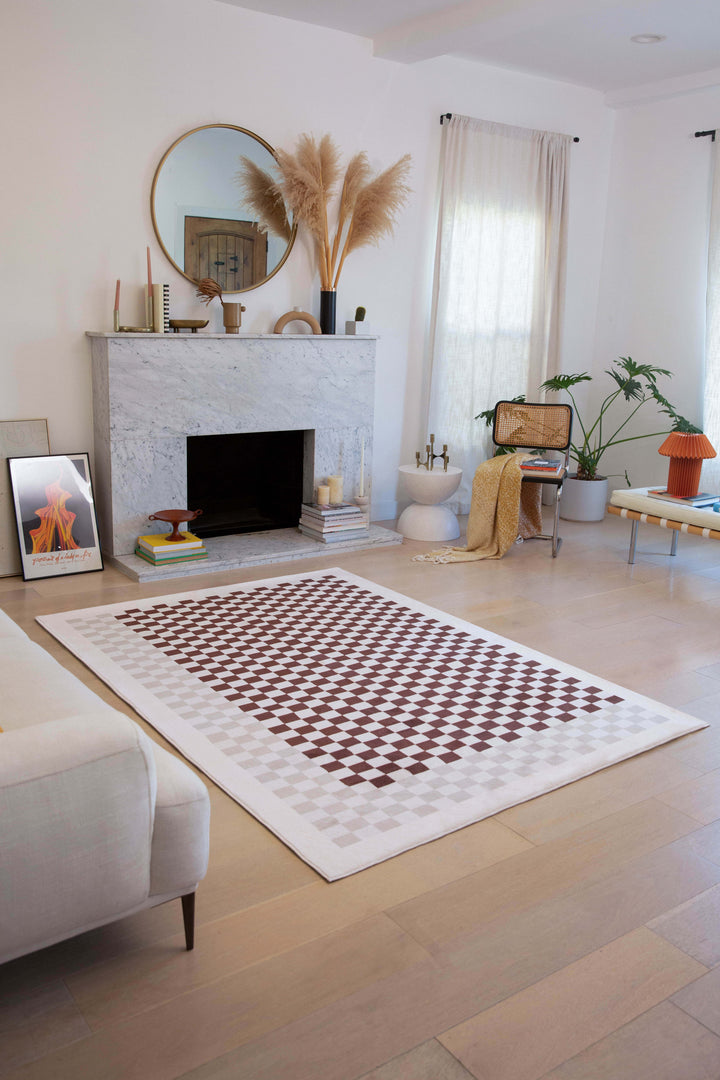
(151, 391)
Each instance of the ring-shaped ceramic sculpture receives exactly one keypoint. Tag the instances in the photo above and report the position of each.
(297, 316)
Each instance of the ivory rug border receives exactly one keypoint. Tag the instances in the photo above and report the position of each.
(347, 721)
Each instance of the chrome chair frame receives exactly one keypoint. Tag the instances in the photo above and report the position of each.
(530, 425)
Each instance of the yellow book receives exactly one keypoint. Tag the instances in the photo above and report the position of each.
(159, 541)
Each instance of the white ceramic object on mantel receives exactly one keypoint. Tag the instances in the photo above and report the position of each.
(426, 518)
(583, 500)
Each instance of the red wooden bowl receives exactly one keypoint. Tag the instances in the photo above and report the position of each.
(175, 518)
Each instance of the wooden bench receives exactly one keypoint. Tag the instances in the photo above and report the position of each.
(636, 505)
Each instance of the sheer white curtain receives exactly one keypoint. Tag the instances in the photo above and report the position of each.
(711, 418)
(499, 278)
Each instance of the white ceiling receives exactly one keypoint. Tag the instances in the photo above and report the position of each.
(586, 42)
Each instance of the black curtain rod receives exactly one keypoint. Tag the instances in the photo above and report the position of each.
(701, 134)
(448, 116)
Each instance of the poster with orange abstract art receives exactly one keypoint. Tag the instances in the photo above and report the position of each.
(55, 515)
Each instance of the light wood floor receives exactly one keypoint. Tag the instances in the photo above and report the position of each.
(575, 936)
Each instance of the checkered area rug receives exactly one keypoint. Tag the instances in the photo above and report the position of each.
(352, 721)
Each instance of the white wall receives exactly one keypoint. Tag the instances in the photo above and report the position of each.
(96, 90)
(652, 301)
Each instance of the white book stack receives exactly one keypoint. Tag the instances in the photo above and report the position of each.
(333, 523)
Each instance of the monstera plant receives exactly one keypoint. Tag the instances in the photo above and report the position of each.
(637, 385)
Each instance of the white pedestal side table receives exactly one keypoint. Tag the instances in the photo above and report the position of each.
(426, 518)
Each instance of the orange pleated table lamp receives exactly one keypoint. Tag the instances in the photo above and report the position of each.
(686, 452)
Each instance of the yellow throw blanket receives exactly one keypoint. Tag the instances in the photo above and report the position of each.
(502, 508)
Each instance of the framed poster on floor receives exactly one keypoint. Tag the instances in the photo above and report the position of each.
(55, 515)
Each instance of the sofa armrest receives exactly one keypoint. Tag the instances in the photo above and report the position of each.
(181, 829)
(77, 800)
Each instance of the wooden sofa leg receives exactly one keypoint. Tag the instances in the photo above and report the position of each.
(188, 909)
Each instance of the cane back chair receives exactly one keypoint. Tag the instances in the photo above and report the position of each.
(537, 426)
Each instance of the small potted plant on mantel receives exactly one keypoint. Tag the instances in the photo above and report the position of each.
(585, 493)
(358, 324)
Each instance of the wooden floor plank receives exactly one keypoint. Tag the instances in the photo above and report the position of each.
(699, 797)
(430, 1061)
(534, 1031)
(663, 1044)
(40, 1036)
(694, 926)
(702, 1000)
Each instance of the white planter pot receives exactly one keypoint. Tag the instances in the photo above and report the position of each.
(584, 500)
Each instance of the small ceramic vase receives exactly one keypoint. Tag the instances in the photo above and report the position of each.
(232, 317)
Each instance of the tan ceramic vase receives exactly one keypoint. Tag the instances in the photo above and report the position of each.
(232, 317)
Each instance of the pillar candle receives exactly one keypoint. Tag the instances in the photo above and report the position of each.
(335, 483)
(323, 495)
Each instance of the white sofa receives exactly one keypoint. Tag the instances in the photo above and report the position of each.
(96, 821)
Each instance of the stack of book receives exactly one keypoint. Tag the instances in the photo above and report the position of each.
(160, 551)
(330, 524)
(542, 466)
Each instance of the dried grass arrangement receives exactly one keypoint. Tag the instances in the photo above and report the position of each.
(308, 184)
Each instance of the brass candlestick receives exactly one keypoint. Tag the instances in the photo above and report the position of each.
(118, 329)
(128, 329)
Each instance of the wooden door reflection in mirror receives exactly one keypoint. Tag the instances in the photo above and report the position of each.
(234, 253)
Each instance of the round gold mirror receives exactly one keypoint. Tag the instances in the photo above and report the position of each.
(198, 212)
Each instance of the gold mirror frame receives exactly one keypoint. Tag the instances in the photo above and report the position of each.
(153, 193)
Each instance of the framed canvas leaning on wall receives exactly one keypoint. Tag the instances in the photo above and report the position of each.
(55, 515)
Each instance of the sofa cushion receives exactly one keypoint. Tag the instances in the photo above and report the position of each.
(36, 688)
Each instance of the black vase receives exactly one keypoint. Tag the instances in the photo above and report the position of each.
(328, 298)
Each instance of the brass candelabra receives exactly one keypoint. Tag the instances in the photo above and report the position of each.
(431, 456)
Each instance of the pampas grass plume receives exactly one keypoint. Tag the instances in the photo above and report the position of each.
(263, 197)
(376, 207)
(356, 175)
(322, 161)
(303, 193)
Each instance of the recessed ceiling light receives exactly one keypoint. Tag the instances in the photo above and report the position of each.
(647, 39)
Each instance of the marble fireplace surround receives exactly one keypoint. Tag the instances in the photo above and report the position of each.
(151, 391)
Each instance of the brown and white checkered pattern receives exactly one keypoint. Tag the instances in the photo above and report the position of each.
(363, 686)
(361, 712)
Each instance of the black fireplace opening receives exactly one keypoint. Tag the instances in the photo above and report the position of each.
(245, 482)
